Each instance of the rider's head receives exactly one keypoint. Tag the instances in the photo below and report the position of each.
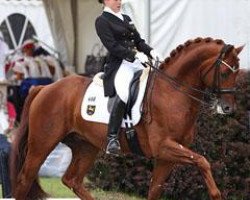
(114, 5)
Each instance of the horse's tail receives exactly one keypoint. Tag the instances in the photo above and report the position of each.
(19, 149)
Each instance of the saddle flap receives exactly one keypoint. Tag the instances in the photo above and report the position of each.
(95, 105)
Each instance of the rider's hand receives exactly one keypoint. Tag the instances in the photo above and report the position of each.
(141, 57)
(155, 55)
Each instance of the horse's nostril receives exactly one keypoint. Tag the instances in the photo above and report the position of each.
(227, 109)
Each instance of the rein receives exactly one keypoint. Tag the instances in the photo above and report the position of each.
(216, 90)
(176, 84)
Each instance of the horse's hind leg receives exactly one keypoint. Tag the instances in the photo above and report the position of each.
(83, 157)
(161, 171)
(36, 155)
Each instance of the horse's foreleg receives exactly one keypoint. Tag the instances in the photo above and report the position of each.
(83, 157)
(176, 153)
(161, 171)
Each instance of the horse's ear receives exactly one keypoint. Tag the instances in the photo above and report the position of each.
(239, 49)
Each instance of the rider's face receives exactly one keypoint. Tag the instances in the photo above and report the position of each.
(114, 5)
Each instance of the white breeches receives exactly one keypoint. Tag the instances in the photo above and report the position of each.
(124, 76)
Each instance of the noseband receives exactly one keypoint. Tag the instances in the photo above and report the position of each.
(214, 92)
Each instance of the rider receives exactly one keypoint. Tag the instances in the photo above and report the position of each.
(127, 52)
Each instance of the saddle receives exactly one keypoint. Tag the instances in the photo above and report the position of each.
(96, 107)
(133, 91)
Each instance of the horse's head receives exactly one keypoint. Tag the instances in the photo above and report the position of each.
(219, 73)
(204, 64)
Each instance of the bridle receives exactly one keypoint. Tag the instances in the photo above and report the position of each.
(213, 92)
(216, 86)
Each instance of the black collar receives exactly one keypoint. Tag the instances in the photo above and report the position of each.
(114, 18)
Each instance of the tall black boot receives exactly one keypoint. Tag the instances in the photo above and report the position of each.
(115, 120)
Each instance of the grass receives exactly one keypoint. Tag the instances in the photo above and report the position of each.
(56, 189)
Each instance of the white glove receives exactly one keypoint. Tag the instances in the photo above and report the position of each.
(141, 57)
(155, 55)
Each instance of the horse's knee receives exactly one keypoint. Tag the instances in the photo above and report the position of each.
(203, 163)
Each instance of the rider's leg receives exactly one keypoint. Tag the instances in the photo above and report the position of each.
(115, 120)
(122, 81)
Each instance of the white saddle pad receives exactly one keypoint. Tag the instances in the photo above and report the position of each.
(95, 106)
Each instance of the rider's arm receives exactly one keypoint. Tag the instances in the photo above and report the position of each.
(139, 42)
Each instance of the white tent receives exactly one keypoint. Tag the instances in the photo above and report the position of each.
(17, 19)
(34, 14)
(163, 23)
(174, 22)
(73, 26)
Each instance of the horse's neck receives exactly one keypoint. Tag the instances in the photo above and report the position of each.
(186, 70)
(187, 66)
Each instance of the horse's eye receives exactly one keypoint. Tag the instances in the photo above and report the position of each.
(224, 75)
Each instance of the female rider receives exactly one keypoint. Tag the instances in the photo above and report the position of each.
(127, 52)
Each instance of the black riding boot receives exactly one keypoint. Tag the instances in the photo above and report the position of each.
(115, 120)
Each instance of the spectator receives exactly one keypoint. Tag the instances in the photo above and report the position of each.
(31, 48)
(28, 49)
(47, 65)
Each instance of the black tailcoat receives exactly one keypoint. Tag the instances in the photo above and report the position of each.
(122, 41)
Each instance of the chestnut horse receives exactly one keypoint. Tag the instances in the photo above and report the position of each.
(52, 114)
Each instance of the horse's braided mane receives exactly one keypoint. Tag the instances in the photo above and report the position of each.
(188, 43)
